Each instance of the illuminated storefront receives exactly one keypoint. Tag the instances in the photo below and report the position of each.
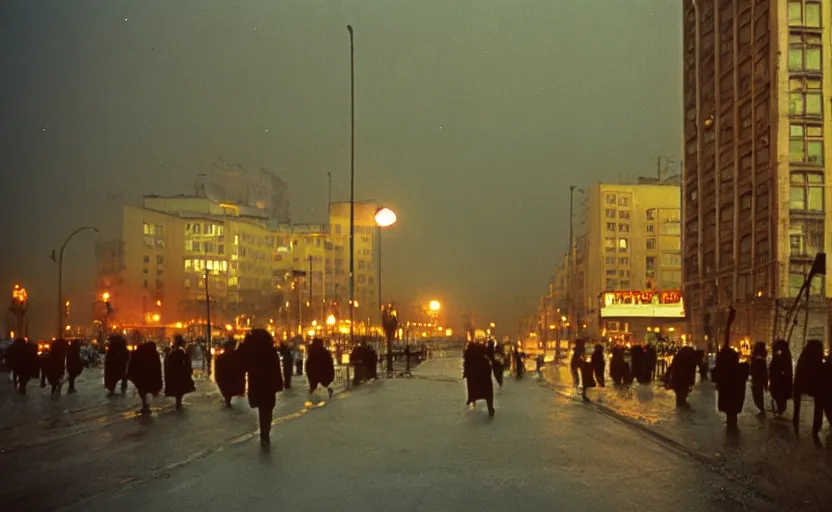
(642, 316)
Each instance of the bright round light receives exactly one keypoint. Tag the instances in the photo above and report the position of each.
(385, 217)
(434, 305)
(330, 320)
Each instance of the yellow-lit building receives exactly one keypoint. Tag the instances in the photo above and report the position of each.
(257, 271)
(631, 242)
(365, 263)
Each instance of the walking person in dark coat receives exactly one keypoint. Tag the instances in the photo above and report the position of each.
(730, 376)
(619, 369)
(288, 362)
(178, 372)
(781, 376)
(320, 369)
(702, 363)
(681, 375)
(74, 363)
(145, 372)
(477, 374)
(26, 364)
(372, 363)
(808, 376)
(599, 365)
(638, 363)
(759, 376)
(55, 367)
(115, 364)
(13, 355)
(265, 379)
(230, 372)
(586, 370)
(650, 361)
(577, 360)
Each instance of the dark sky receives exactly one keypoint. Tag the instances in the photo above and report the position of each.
(473, 117)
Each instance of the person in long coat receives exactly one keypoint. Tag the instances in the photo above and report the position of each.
(262, 365)
(56, 365)
(115, 364)
(145, 372)
(681, 375)
(577, 361)
(808, 376)
(599, 364)
(651, 358)
(178, 372)
(759, 375)
(371, 363)
(26, 363)
(730, 376)
(619, 369)
(638, 360)
(287, 360)
(477, 373)
(320, 368)
(781, 376)
(13, 355)
(74, 363)
(230, 372)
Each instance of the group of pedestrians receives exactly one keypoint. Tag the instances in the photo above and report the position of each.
(811, 376)
(61, 363)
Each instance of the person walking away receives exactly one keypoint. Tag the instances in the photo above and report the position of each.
(144, 370)
(759, 375)
(651, 359)
(74, 363)
(519, 365)
(297, 355)
(372, 363)
(357, 362)
(288, 362)
(702, 364)
(477, 373)
(637, 358)
(599, 365)
(808, 376)
(619, 369)
(115, 364)
(27, 364)
(265, 379)
(681, 375)
(320, 369)
(577, 361)
(178, 372)
(56, 365)
(230, 373)
(498, 368)
(781, 376)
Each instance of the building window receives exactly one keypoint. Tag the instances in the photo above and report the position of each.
(651, 244)
(160, 259)
(611, 272)
(805, 97)
(806, 191)
(146, 259)
(745, 201)
(337, 229)
(651, 214)
(671, 259)
(610, 198)
(624, 260)
(805, 237)
(623, 214)
(624, 273)
(797, 274)
(188, 264)
(804, 13)
(624, 201)
(650, 263)
(611, 227)
(623, 245)
(610, 213)
(609, 244)
(624, 228)
(806, 144)
(612, 284)
(610, 260)
(745, 251)
(149, 229)
(651, 228)
(805, 52)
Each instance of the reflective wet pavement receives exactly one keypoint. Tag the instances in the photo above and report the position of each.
(766, 453)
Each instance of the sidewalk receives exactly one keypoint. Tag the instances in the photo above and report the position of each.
(766, 453)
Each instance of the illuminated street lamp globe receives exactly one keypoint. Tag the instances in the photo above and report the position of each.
(434, 305)
(385, 217)
(330, 320)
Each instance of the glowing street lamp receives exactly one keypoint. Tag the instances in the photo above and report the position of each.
(20, 303)
(434, 306)
(385, 217)
(330, 320)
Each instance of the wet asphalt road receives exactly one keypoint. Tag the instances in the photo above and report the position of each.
(406, 444)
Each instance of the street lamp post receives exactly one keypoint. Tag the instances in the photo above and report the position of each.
(60, 262)
(352, 184)
(384, 217)
(20, 301)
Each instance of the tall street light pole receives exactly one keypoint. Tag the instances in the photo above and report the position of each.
(352, 184)
(571, 269)
(384, 217)
(60, 261)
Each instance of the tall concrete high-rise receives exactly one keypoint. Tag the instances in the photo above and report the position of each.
(756, 111)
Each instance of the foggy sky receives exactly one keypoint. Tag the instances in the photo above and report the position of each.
(473, 117)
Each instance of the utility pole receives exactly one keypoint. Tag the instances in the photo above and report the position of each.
(352, 186)
(207, 349)
(571, 269)
(310, 285)
(329, 194)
